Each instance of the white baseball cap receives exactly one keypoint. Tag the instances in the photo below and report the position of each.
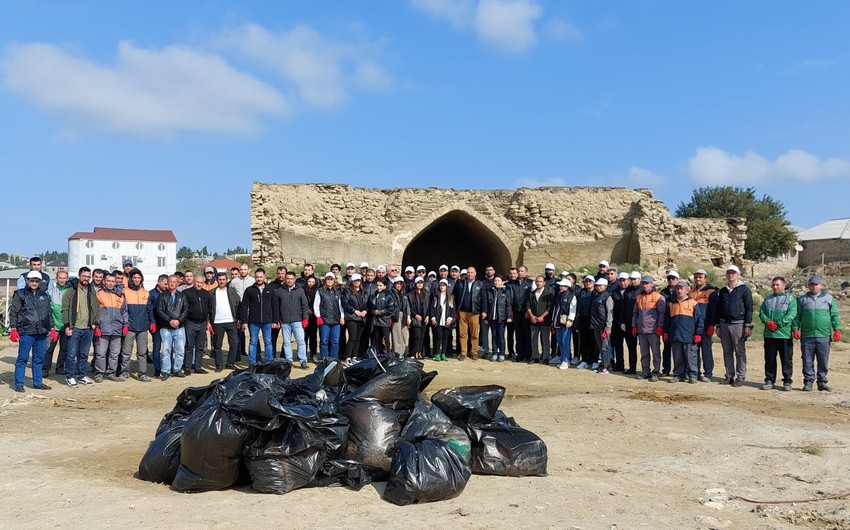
(672, 274)
(634, 275)
(623, 276)
(356, 276)
(329, 275)
(409, 269)
(364, 265)
(565, 282)
(549, 267)
(733, 268)
(463, 271)
(419, 279)
(604, 263)
(602, 281)
(444, 267)
(381, 268)
(420, 268)
(349, 265)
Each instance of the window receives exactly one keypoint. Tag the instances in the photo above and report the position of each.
(89, 259)
(160, 261)
(89, 243)
(161, 247)
(116, 245)
(139, 246)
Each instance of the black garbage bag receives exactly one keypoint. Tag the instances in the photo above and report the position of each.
(428, 421)
(187, 402)
(362, 371)
(427, 471)
(427, 377)
(507, 450)
(373, 432)
(470, 405)
(347, 473)
(285, 459)
(280, 368)
(161, 460)
(210, 449)
(396, 388)
(334, 431)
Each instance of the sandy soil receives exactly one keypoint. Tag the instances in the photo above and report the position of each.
(623, 453)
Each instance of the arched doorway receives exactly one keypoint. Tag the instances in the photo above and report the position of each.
(457, 238)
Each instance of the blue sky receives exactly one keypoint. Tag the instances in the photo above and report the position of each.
(162, 114)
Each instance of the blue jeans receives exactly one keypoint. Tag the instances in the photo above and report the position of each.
(815, 348)
(329, 337)
(289, 329)
(173, 340)
(36, 343)
(563, 336)
(254, 330)
(77, 360)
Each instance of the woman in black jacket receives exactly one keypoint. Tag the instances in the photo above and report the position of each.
(442, 316)
(310, 286)
(382, 306)
(329, 316)
(418, 299)
(499, 311)
(355, 303)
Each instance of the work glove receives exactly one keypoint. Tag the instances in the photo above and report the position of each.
(210, 329)
(125, 330)
(153, 327)
(666, 337)
(697, 339)
(14, 336)
(710, 331)
(771, 325)
(54, 337)
(305, 323)
(604, 334)
(97, 332)
(796, 334)
(659, 331)
(634, 331)
(836, 336)
(319, 321)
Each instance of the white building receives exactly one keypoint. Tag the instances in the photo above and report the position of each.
(154, 252)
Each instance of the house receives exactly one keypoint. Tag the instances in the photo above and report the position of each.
(222, 265)
(55, 266)
(154, 252)
(825, 243)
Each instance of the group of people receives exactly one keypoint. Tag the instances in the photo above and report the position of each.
(600, 323)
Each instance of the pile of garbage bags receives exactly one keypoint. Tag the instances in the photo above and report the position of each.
(341, 425)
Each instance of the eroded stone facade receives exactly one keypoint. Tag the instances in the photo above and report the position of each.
(325, 223)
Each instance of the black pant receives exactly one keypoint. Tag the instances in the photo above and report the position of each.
(587, 342)
(310, 337)
(631, 345)
(219, 330)
(522, 333)
(510, 340)
(355, 332)
(275, 335)
(417, 336)
(196, 343)
(442, 336)
(380, 338)
(666, 357)
(617, 336)
(60, 360)
(784, 348)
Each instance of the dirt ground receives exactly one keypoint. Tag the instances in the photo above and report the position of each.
(623, 453)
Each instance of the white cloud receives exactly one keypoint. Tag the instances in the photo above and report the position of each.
(526, 182)
(508, 24)
(324, 70)
(145, 92)
(458, 12)
(559, 30)
(714, 166)
(638, 177)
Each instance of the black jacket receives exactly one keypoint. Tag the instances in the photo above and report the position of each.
(199, 305)
(619, 300)
(601, 310)
(168, 310)
(418, 307)
(329, 305)
(292, 304)
(30, 313)
(499, 304)
(402, 306)
(543, 305)
(352, 302)
(735, 306)
(520, 290)
(232, 302)
(382, 307)
(259, 306)
(463, 294)
(561, 306)
(436, 309)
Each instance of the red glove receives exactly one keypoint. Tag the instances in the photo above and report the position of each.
(604, 334)
(125, 330)
(634, 331)
(836, 336)
(210, 329)
(153, 327)
(666, 337)
(771, 325)
(305, 323)
(796, 334)
(14, 336)
(54, 337)
(710, 331)
(697, 339)
(319, 321)
(97, 332)
(659, 331)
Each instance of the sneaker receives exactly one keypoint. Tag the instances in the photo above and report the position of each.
(493, 359)
(582, 365)
(807, 387)
(200, 371)
(98, 378)
(187, 371)
(501, 358)
(303, 365)
(653, 378)
(674, 380)
(823, 387)
(738, 383)
(218, 369)
(461, 358)
(786, 387)
(641, 376)
(602, 371)
(144, 378)
(19, 388)
(157, 373)
(595, 366)
(112, 377)
(179, 373)
(704, 379)
(692, 380)
(563, 366)
(42, 386)
(630, 371)
(315, 358)
(727, 381)
(574, 361)
(71, 382)
(123, 377)
(165, 376)
(87, 381)
(767, 386)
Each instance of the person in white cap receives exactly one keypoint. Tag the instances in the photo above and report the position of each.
(706, 294)
(817, 324)
(563, 317)
(498, 312)
(327, 306)
(735, 325)
(648, 319)
(349, 271)
(603, 270)
(382, 307)
(419, 304)
(355, 304)
(381, 275)
(586, 341)
(669, 294)
(540, 303)
(601, 322)
(550, 278)
(364, 266)
(400, 328)
(31, 321)
(683, 329)
(409, 277)
(618, 331)
(442, 315)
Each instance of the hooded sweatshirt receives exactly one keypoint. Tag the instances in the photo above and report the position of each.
(137, 299)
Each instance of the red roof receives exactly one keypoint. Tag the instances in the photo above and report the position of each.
(126, 234)
(222, 264)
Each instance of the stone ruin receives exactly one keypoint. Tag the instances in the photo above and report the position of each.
(571, 227)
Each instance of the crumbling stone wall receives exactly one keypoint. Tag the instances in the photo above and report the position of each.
(323, 223)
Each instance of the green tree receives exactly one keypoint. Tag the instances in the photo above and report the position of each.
(768, 234)
(184, 252)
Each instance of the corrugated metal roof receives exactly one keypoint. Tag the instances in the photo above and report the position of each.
(834, 229)
(12, 273)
